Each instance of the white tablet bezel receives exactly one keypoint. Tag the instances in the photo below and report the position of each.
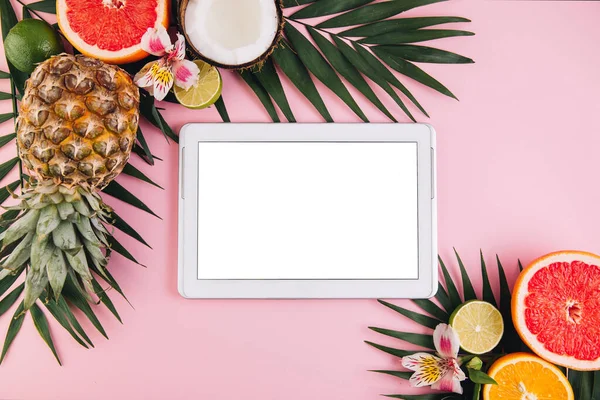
(192, 287)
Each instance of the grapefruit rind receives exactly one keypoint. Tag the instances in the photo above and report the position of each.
(515, 358)
(124, 56)
(518, 307)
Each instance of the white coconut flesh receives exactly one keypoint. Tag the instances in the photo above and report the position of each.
(231, 32)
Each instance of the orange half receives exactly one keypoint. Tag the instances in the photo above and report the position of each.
(525, 376)
(110, 30)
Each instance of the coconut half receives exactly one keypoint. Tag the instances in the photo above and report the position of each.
(231, 33)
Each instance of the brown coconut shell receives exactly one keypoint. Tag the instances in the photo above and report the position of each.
(258, 60)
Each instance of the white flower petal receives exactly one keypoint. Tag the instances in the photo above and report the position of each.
(428, 368)
(156, 41)
(179, 48)
(446, 341)
(186, 73)
(448, 383)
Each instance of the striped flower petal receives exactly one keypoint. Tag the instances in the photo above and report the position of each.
(144, 77)
(186, 73)
(450, 381)
(446, 341)
(178, 52)
(428, 368)
(156, 42)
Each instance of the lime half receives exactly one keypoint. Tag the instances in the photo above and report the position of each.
(479, 326)
(205, 92)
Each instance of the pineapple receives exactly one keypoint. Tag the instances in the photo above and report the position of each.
(75, 130)
(77, 121)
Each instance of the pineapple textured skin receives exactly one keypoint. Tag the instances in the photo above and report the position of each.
(77, 121)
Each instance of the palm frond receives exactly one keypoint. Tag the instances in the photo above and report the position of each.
(382, 43)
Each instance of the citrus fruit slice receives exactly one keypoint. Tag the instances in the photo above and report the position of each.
(479, 326)
(110, 30)
(30, 42)
(556, 308)
(523, 376)
(205, 92)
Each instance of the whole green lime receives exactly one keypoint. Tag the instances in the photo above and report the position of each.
(30, 42)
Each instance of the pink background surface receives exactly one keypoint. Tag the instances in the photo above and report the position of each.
(518, 168)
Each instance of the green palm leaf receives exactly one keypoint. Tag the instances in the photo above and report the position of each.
(145, 154)
(74, 296)
(596, 385)
(291, 65)
(488, 294)
(6, 116)
(62, 304)
(13, 329)
(415, 338)
(41, 324)
(58, 314)
(412, 71)
(48, 6)
(432, 308)
(387, 75)
(468, 291)
(391, 350)
(425, 54)
(347, 70)
(136, 173)
(11, 298)
(443, 298)
(317, 65)
(7, 166)
(582, 383)
(453, 295)
(117, 191)
(268, 77)
(397, 374)
(261, 93)
(117, 247)
(400, 37)
(416, 317)
(101, 293)
(366, 69)
(220, 106)
(7, 282)
(398, 24)
(374, 12)
(327, 7)
(124, 227)
(7, 139)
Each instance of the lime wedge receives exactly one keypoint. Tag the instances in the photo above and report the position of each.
(205, 92)
(479, 326)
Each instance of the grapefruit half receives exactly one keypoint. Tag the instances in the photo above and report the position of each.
(110, 30)
(556, 308)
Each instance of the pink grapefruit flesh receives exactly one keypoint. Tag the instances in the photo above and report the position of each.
(556, 308)
(110, 30)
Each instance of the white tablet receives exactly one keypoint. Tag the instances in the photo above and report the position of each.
(307, 211)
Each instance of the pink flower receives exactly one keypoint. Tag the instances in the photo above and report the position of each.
(443, 372)
(158, 76)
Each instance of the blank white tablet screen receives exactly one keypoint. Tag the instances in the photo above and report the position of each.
(306, 210)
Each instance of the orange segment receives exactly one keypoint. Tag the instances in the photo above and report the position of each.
(523, 376)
